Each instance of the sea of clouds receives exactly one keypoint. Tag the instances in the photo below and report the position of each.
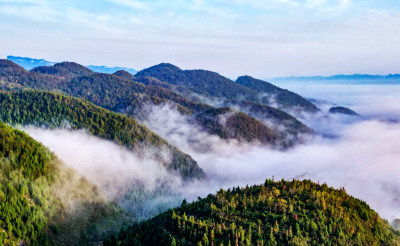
(361, 154)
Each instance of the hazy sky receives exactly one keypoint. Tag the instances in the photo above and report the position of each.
(233, 37)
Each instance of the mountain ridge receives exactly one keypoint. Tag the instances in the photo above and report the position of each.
(123, 94)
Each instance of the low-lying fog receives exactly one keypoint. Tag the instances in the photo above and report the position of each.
(363, 157)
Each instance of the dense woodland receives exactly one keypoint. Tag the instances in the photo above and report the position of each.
(276, 213)
(23, 205)
(54, 110)
(33, 210)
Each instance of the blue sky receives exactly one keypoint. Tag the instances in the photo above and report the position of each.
(233, 37)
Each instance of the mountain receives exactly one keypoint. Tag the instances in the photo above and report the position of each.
(282, 122)
(353, 78)
(66, 70)
(29, 63)
(283, 98)
(104, 69)
(44, 202)
(121, 93)
(124, 74)
(342, 110)
(276, 213)
(203, 82)
(214, 86)
(129, 97)
(13, 73)
(229, 124)
(55, 110)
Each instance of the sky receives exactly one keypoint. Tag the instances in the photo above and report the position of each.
(233, 37)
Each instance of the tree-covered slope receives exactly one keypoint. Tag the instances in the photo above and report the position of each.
(64, 70)
(284, 98)
(276, 213)
(40, 198)
(11, 72)
(124, 74)
(213, 85)
(54, 110)
(203, 82)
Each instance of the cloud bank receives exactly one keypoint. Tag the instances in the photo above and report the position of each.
(361, 155)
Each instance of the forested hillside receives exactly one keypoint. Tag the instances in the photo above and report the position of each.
(212, 85)
(203, 82)
(276, 213)
(64, 69)
(43, 202)
(54, 110)
(11, 72)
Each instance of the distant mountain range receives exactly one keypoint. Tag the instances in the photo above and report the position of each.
(104, 69)
(358, 78)
(30, 63)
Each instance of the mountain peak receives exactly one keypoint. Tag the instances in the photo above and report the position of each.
(124, 74)
(64, 69)
(72, 66)
(247, 81)
(342, 110)
(160, 68)
(7, 66)
(167, 65)
(8, 63)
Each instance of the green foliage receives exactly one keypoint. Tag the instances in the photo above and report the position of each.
(26, 167)
(23, 152)
(276, 213)
(35, 193)
(54, 110)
